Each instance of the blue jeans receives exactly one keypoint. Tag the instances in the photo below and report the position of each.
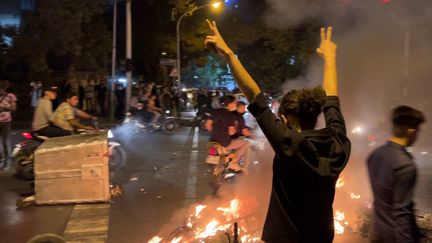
(5, 132)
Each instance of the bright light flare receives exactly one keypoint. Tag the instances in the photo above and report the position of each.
(210, 230)
(357, 130)
(155, 239)
(354, 196)
(199, 209)
(110, 134)
(232, 211)
(177, 239)
(338, 218)
(340, 182)
(216, 4)
(339, 228)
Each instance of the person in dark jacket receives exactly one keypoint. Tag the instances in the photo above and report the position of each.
(393, 174)
(307, 162)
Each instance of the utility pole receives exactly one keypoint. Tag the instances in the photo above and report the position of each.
(128, 52)
(113, 65)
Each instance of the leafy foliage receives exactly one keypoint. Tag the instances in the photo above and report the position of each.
(61, 36)
(271, 55)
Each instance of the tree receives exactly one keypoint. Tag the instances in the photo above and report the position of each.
(6, 35)
(205, 71)
(57, 36)
(271, 55)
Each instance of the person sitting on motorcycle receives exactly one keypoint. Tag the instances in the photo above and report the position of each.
(222, 127)
(242, 129)
(43, 120)
(134, 102)
(156, 111)
(66, 115)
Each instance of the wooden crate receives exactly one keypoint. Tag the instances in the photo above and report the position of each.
(72, 169)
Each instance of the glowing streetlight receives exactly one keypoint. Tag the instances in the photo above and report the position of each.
(215, 5)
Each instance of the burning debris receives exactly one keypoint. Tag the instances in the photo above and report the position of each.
(220, 224)
(115, 190)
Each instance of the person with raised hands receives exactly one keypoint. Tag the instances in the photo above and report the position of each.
(307, 161)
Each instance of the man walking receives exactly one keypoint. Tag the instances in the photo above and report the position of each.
(392, 174)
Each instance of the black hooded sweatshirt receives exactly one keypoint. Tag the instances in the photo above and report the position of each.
(306, 167)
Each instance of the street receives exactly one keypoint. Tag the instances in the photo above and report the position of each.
(164, 178)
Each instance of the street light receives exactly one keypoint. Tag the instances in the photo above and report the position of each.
(214, 5)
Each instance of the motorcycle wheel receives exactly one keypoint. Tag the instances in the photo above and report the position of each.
(117, 159)
(23, 167)
(170, 126)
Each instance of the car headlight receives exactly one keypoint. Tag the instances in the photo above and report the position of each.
(110, 134)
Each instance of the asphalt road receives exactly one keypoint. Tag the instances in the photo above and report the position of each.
(164, 178)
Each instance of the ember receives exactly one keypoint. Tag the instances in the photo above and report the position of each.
(340, 182)
(354, 196)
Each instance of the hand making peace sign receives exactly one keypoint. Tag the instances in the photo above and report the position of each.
(327, 48)
(216, 41)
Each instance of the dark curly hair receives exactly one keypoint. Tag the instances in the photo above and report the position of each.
(304, 105)
(404, 118)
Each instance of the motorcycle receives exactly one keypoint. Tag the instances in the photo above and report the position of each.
(167, 122)
(23, 154)
(219, 160)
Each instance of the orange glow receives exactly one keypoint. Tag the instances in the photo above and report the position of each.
(354, 196)
(199, 209)
(216, 4)
(231, 212)
(340, 182)
(155, 239)
(177, 240)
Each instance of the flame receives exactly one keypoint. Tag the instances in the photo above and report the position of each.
(340, 182)
(340, 216)
(222, 222)
(189, 224)
(177, 240)
(210, 230)
(354, 196)
(339, 228)
(155, 239)
(248, 238)
(199, 209)
(231, 212)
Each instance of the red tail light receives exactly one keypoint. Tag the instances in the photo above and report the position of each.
(212, 151)
(27, 135)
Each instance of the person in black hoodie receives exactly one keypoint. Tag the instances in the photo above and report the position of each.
(307, 162)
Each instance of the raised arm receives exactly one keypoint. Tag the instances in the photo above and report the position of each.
(245, 82)
(327, 50)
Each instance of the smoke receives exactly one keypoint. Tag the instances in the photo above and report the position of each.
(384, 60)
(384, 51)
